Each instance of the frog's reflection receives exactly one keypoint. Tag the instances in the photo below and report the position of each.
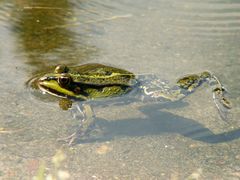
(157, 123)
(44, 35)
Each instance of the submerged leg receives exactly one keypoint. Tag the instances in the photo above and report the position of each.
(85, 114)
(222, 103)
(191, 82)
(88, 121)
(158, 90)
(159, 93)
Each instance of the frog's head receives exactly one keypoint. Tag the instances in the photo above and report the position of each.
(59, 83)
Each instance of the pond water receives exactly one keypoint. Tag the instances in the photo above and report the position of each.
(170, 38)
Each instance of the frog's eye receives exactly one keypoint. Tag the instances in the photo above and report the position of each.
(61, 69)
(64, 80)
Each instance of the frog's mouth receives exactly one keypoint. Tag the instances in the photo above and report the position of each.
(52, 87)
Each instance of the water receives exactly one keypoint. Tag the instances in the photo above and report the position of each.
(169, 38)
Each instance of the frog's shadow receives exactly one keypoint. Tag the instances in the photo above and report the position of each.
(158, 122)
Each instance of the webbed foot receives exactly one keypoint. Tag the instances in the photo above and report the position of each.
(218, 94)
(69, 139)
(186, 85)
(221, 102)
(191, 82)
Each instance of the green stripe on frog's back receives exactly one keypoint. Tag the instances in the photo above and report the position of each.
(100, 75)
(87, 81)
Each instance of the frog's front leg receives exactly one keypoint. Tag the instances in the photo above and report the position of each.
(85, 115)
(88, 120)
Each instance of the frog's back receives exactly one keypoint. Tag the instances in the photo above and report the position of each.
(102, 75)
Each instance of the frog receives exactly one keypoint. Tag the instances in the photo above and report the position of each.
(93, 82)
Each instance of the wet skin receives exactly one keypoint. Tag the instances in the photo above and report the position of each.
(89, 81)
(95, 81)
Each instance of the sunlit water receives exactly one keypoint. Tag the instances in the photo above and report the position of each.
(142, 141)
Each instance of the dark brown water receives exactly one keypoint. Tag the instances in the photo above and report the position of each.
(169, 38)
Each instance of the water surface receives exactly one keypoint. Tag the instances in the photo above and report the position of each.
(181, 140)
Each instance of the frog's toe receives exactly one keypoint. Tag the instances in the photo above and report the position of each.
(226, 103)
(69, 139)
(223, 111)
(223, 104)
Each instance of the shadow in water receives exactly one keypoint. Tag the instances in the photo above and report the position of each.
(157, 123)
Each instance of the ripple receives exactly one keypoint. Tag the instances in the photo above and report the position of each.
(5, 9)
(210, 19)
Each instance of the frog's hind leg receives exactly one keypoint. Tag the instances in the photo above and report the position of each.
(157, 90)
(190, 82)
(85, 114)
(219, 97)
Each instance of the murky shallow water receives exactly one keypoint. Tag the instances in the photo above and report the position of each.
(168, 38)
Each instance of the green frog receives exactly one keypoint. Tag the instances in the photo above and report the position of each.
(91, 82)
